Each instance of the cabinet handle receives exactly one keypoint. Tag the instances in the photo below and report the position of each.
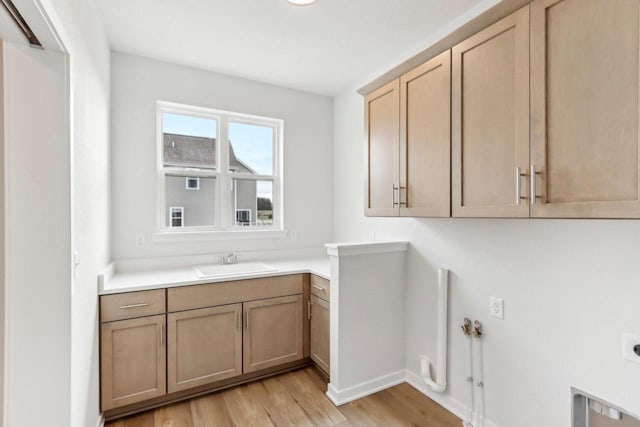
(124, 307)
(519, 176)
(393, 195)
(309, 313)
(318, 287)
(161, 334)
(405, 196)
(247, 325)
(532, 180)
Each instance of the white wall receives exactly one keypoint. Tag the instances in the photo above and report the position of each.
(2, 234)
(137, 83)
(571, 288)
(80, 30)
(38, 243)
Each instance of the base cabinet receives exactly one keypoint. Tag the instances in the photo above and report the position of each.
(133, 361)
(199, 337)
(319, 313)
(204, 346)
(273, 332)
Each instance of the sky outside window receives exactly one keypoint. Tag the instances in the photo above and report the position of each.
(189, 125)
(253, 145)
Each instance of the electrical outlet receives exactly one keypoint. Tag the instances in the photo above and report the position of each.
(631, 347)
(140, 240)
(496, 307)
(293, 235)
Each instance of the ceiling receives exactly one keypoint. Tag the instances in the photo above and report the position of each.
(324, 48)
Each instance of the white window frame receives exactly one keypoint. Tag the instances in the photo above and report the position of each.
(186, 183)
(173, 209)
(224, 226)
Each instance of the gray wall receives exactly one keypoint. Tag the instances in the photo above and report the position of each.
(246, 197)
(199, 206)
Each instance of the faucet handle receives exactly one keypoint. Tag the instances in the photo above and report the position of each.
(230, 258)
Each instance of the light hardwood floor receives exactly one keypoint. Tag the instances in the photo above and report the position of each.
(295, 399)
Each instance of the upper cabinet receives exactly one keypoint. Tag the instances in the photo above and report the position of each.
(382, 128)
(408, 143)
(425, 139)
(490, 120)
(584, 108)
(544, 120)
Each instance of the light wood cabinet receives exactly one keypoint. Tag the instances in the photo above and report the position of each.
(490, 120)
(425, 139)
(382, 115)
(273, 332)
(320, 287)
(133, 360)
(319, 313)
(204, 346)
(409, 143)
(584, 108)
(203, 337)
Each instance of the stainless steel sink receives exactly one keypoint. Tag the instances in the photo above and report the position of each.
(239, 269)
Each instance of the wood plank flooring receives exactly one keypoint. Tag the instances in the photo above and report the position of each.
(295, 399)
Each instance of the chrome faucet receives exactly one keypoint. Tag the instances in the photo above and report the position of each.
(231, 258)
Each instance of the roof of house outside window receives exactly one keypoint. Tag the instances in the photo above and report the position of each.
(197, 152)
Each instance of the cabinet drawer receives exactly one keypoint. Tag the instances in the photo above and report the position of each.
(320, 288)
(132, 304)
(212, 294)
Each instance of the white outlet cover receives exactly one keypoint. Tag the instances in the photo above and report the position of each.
(628, 342)
(496, 307)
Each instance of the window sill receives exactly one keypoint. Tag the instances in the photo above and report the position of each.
(163, 236)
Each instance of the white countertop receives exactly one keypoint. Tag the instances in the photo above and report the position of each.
(168, 278)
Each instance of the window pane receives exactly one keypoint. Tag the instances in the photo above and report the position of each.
(250, 149)
(197, 205)
(252, 202)
(189, 141)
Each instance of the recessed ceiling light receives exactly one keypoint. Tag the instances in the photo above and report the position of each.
(302, 2)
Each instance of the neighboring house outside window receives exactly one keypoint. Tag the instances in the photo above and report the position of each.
(239, 183)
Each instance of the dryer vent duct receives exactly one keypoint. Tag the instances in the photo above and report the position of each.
(21, 23)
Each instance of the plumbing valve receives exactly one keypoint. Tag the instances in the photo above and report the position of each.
(466, 328)
(477, 329)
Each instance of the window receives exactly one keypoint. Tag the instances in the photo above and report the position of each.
(238, 182)
(176, 216)
(243, 216)
(192, 183)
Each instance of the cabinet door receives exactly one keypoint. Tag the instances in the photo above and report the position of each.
(320, 333)
(205, 346)
(490, 120)
(584, 108)
(273, 332)
(133, 361)
(425, 139)
(382, 115)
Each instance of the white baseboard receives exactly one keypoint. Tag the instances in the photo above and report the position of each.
(455, 407)
(340, 397)
(100, 422)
